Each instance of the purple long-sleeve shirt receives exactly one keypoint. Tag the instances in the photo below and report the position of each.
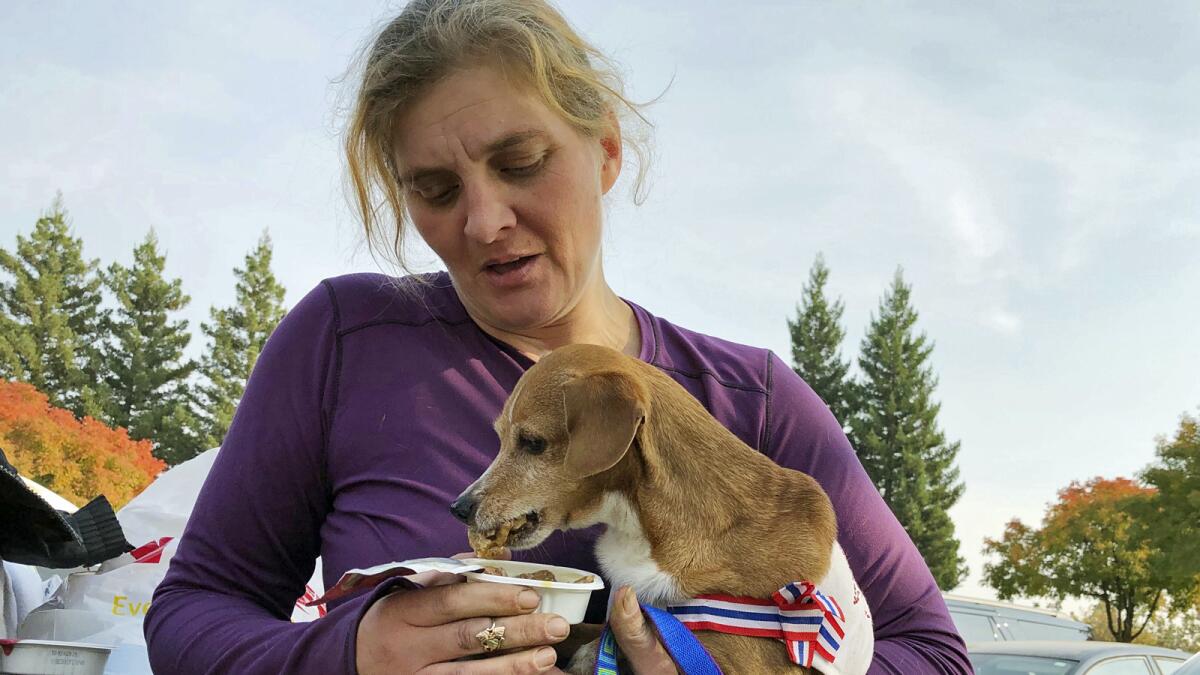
(371, 408)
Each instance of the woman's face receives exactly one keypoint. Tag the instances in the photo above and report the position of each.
(508, 195)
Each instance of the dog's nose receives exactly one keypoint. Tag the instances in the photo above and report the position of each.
(464, 507)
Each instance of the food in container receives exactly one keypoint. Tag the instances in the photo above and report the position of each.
(567, 596)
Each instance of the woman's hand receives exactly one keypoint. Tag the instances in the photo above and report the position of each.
(425, 630)
(637, 640)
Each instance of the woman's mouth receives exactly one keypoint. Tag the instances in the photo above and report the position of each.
(511, 272)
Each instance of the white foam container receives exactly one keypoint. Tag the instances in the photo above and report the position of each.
(46, 657)
(564, 598)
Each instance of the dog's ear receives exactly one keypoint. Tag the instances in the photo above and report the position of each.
(604, 411)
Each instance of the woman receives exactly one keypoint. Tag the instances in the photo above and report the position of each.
(492, 128)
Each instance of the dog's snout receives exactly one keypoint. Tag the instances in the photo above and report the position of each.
(464, 507)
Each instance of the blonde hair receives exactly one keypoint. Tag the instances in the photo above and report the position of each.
(430, 38)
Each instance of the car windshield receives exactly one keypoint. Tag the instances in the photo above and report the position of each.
(1013, 664)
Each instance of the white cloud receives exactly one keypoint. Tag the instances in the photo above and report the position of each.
(1003, 320)
(1184, 227)
(978, 234)
(933, 147)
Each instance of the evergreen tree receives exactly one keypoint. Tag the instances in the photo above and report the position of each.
(183, 432)
(52, 328)
(147, 370)
(817, 336)
(236, 336)
(897, 436)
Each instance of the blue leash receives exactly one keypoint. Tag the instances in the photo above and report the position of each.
(687, 652)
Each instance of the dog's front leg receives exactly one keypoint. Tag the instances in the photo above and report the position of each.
(581, 635)
(584, 660)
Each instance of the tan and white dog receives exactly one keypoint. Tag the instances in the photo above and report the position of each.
(590, 436)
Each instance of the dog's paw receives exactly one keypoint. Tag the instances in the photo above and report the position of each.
(584, 660)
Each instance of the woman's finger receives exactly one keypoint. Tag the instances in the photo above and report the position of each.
(637, 640)
(435, 578)
(445, 604)
(459, 639)
(529, 661)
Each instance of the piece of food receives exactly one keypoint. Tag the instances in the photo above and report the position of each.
(490, 544)
(540, 575)
(484, 547)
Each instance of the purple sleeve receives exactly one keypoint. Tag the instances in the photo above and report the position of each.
(913, 630)
(252, 540)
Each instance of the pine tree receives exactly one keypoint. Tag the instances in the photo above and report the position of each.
(817, 336)
(147, 370)
(236, 336)
(183, 432)
(52, 328)
(897, 436)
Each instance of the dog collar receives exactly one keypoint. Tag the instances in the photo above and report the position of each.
(810, 623)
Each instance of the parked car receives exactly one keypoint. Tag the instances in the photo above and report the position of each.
(1190, 667)
(1073, 657)
(981, 620)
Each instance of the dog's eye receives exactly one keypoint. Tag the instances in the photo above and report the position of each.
(531, 444)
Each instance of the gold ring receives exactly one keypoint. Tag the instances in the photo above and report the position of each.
(491, 638)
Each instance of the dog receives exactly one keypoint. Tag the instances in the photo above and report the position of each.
(590, 435)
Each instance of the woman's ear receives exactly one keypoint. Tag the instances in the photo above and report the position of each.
(604, 412)
(610, 144)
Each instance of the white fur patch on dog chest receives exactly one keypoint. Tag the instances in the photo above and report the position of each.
(624, 554)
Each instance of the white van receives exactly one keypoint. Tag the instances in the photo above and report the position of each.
(980, 620)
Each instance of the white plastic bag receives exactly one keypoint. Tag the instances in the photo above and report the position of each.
(22, 590)
(108, 604)
(162, 509)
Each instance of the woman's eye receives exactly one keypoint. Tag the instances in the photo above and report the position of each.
(438, 195)
(521, 169)
(531, 444)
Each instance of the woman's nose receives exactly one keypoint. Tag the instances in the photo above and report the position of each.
(488, 212)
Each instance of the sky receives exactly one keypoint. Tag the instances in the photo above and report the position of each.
(1033, 167)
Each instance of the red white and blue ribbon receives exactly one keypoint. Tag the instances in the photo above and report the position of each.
(810, 623)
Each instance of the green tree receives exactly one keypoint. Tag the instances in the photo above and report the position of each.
(897, 437)
(236, 337)
(147, 370)
(1095, 542)
(1176, 508)
(817, 336)
(52, 328)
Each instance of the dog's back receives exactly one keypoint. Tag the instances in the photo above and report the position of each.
(762, 525)
(775, 525)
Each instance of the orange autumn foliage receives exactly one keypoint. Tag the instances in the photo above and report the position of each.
(77, 458)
